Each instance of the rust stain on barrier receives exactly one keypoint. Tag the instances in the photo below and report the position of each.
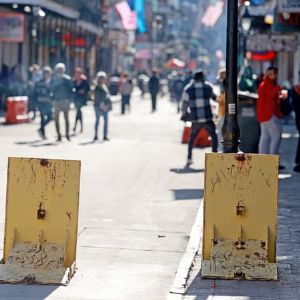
(44, 162)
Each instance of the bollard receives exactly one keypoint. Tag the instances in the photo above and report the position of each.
(41, 221)
(240, 216)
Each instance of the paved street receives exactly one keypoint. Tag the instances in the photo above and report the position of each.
(137, 204)
(288, 246)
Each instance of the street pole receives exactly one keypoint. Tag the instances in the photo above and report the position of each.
(230, 130)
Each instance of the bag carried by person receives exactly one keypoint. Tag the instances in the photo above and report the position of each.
(285, 106)
(106, 105)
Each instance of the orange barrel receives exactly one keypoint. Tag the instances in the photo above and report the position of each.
(203, 139)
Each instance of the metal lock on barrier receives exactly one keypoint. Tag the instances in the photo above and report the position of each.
(240, 216)
(41, 221)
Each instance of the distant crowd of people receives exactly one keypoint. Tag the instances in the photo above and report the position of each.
(273, 104)
(51, 92)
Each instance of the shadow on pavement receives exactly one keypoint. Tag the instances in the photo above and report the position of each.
(44, 145)
(88, 143)
(27, 142)
(188, 194)
(22, 291)
(186, 170)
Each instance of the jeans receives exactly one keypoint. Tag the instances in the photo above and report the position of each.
(61, 106)
(104, 114)
(270, 138)
(211, 129)
(125, 100)
(153, 101)
(220, 135)
(78, 118)
(46, 115)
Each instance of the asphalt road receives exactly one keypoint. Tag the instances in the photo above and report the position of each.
(137, 203)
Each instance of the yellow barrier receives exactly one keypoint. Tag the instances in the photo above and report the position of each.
(41, 221)
(240, 216)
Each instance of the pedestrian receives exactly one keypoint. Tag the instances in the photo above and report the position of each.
(221, 110)
(153, 86)
(42, 93)
(268, 114)
(80, 98)
(178, 87)
(295, 99)
(196, 102)
(102, 104)
(62, 89)
(35, 76)
(126, 88)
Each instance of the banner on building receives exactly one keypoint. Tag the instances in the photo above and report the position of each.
(265, 42)
(11, 27)
(291, 6)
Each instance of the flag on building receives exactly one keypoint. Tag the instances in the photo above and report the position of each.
(139, 7)
(127, 15)
(213, 13)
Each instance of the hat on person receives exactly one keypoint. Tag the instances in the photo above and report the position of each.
(47, 69)
(101, 74)
(60, 66)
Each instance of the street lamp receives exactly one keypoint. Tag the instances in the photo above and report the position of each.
(230, 130)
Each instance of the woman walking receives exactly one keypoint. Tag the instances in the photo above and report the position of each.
(102, 104)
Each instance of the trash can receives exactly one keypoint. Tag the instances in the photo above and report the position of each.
(249, 126)
(114, 85)
(16, 110)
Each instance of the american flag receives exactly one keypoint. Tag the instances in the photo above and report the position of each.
(213, 13)
(128, 16)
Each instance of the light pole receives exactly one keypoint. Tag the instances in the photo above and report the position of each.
(230, 130)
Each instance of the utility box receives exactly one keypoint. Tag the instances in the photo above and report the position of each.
(240, 216)
(41, 221)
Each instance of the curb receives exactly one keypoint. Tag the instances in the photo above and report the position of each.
(179, 286)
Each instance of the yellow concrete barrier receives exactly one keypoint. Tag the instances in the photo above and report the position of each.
(240, 216)
(41, 221)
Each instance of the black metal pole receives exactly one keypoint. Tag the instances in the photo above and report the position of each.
(230, 130)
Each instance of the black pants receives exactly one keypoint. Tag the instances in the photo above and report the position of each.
(46, 115)
(78, 118)
(297, 158)
(153, 101)
(211, 129)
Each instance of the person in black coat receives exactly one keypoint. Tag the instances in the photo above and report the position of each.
(81, 94)
(295, 98)
(153, 86)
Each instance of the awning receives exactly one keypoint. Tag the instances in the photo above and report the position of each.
(90, 27)
(49, 5)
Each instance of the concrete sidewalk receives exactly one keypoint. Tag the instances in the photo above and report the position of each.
(288, 248)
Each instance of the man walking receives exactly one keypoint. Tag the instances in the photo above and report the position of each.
(42, 94)
(126, 88)
(295, 97)
(153, 87)
(196, 102)
(62, 90)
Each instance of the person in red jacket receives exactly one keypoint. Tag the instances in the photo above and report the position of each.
(269, 114)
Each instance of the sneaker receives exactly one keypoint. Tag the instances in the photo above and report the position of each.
(58, 139)
(189, 162)
(297, 168)
(40, 132)
(95, 139)
(106, 139)
(68, 138)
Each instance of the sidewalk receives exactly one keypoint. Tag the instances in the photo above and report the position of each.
(288, 248)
